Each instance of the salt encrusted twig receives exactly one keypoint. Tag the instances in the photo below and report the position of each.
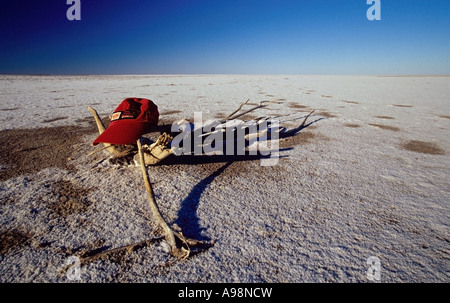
(170, 236)
(177, 250)
(93, 255)
(234, 116)
(101, 128)
(237, 110)
(307, 116)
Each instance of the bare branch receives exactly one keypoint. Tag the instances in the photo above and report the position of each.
(262, 104)
(237, 110)
(101, 128)
(307, 116)
(91, 256)
(170, 237)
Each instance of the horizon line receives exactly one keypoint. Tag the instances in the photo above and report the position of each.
(223, 74)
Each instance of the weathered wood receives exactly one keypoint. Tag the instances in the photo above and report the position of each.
(101, 128)
(169, 234)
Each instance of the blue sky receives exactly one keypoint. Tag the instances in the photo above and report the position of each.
(203, 37)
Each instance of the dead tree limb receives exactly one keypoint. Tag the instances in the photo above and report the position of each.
(237, 110)
(234, 114)
(101, 128)
(307, 116)
(177, 250)
(169, 234)
(91, 256)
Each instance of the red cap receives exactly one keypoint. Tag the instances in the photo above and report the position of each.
(131, 119)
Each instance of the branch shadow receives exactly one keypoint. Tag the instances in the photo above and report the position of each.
(225, 158)
(295, 131)
(188, 219)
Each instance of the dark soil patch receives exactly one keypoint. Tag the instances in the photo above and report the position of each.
(31, 150)
(423, 147)
(12, 239)
(385, 117)
(301, 138)
(297, 106)
(70, 199)
(401, 105)
(444, 116)
(352, 125)
(386, 127)
(54, 119)
(326, 114)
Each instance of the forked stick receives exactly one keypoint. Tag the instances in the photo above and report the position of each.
(170, 236)
(238, 109)
(101, 128)
(233, 115)
(307, 116)
(180, 253)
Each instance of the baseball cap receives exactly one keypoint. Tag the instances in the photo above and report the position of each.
(130, 120)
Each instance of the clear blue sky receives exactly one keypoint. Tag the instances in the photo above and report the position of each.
(190, 37)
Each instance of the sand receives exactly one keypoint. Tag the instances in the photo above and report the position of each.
(369, 177)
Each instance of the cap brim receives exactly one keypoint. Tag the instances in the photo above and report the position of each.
(122, 132)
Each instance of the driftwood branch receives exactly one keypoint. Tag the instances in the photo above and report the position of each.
(94, 255)
(180, 246)
(169, 234)
(179, 250)
(234, 114)
(237, 110)
(101, 128)
(307, 116)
